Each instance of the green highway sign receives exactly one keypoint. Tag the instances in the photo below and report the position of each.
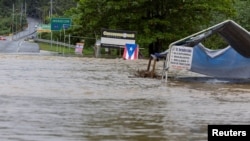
(60, 23)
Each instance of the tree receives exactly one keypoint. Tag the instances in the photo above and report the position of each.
(243, 9)
(162, 20)
(165, 20)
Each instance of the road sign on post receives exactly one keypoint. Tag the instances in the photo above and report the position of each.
(66, 26)
(60, 23)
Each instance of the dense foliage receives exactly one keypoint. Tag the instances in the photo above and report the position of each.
(12, 19)
(165, 20)
(154, 20)
(13, 13)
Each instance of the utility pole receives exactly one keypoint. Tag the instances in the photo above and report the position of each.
(21, 16)
(25, 8)
(13, 20)
(51, 33)
(51, 9)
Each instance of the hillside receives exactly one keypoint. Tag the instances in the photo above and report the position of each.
(13, 13)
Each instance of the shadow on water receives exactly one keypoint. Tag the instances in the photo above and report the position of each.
(213, 85)
(212, 80)
(125, 122)
(39, 119)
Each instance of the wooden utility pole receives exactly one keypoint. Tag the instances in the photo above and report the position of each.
(51, 9)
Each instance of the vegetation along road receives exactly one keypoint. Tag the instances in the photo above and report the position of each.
(15, 43)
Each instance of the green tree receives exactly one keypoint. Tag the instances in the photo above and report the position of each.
(243, 9)
(166, 20)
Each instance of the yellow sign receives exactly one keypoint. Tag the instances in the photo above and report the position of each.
(43, 28)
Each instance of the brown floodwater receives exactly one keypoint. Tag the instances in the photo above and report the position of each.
(56, 98)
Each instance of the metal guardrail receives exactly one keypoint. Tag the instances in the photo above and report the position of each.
(53, 42)
(40, 40)
(16, 37)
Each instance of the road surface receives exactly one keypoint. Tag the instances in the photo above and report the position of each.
(17, 44)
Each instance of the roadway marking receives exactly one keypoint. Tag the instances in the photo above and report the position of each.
(19, 46)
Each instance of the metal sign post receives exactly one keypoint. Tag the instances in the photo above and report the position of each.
(58, 23)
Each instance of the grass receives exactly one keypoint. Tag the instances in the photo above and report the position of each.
(64, 50)
(87, 51)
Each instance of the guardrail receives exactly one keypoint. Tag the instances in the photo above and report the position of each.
(44, 40)
(15, 37)
(53, 42)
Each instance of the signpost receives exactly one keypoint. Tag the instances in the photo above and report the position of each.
(79, 48)
(117, 38)
(60, 23)
(181, 58)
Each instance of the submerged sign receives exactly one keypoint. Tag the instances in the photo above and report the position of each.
(117, 38)
(79, 48)
(181, 57)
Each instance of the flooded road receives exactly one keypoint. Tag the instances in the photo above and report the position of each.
(55, 98)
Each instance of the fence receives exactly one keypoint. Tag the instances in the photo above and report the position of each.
(54, 42)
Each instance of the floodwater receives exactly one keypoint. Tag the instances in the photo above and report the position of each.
(55, 98)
